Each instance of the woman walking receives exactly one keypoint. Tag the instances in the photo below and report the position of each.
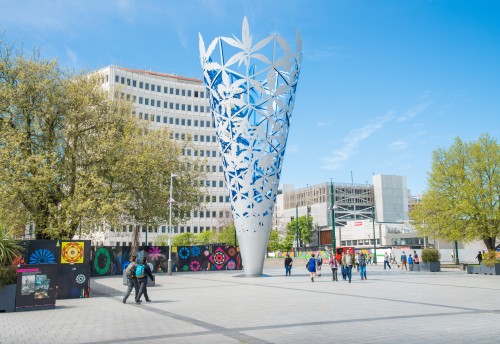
(311, 266)
(334, 265)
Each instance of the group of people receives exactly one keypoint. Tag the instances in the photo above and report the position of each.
(409, 260)
(346, 264)
(137, 273)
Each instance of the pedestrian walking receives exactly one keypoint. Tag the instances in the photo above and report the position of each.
(132, 282)
(311, 266)
(403, 261)
(362, 265)
(334, 265)
(343, 266)
(410, 262)
(386, 261)
(288, 265)
(416, 261)
(349, 262)
(319, 263)
(356, 260)
(143, 271)
(479, 257)
(369, 259)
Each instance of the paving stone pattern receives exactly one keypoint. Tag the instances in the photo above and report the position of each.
(226, 307)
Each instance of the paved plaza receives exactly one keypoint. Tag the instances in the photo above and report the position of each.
(224, 307)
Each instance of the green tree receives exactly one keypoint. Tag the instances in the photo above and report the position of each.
(228, 235)
(183, 239)
(463, 196)
(306, 231)
(274, 243)
(72, 158)
(206, 237)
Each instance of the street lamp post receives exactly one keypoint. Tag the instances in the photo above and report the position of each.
(170, 225)
(332, 203)
(296, 227)
(374, 238)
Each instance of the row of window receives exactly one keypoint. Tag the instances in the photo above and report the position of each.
(158, 88)
(176, 121)
(360, 242)
(166, 105)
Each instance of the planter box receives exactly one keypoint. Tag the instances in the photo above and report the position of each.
(486, 270)
(473, 269)
(8, 298)
(431, 266)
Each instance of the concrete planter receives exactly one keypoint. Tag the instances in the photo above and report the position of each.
(8, 298)
(473, 269)
(431, 266)
(486, 270)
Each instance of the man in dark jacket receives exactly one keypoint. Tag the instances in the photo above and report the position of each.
(132, 282)
(288, 265)
(143, 281)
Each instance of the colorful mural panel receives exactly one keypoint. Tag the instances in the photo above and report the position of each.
(208, 257)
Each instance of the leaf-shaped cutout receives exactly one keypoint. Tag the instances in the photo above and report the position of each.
(262, 58)
(202, 48)
(245, 32)
(298, 42)
(211, 47)
(236, 57)
(212, 66)
(262, 43)
(283, 44)
(233, 42)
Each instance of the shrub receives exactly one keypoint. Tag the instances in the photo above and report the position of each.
(8, 275)
(430, 255)
(489, 259)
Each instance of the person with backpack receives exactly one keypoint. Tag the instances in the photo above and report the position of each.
(142, 272)
(319, 262)
(132, 282)
(410, 261)
(403, 261)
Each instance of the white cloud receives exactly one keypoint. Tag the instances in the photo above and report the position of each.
(398, 144)
(413, 112)
(352, 141)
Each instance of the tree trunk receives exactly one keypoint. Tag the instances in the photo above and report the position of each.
(490, 243)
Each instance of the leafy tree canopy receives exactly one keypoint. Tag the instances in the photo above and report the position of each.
(73, 158)
(462, 200)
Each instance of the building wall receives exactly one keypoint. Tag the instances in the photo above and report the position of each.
(181, 105)
(391, 198)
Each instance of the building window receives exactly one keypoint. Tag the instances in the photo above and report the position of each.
(158, 118)
(221, 199)
(146, 101)
(183, 121)
(202, 123)
(176, 91)
(165, 89)
(163, 229)
(152, 87)
(189, 93)
(171, 120)
(214, 138)
(140, 100)
(171, 90)
(201, 94)
(165, 105)
(195, 137)
(202, 138)
(117, 78)
(196, 108)
(147, 86)
(128, 82)
(189, 108)
(122, 80)
(177, 106)
(202, 109)
(221, 184)
(134, 83)
(195, 122)
(177, 121)
(141, 84)
(196, 94)
(164, 119)
(183, 107)
(189, 122)
(146, 116)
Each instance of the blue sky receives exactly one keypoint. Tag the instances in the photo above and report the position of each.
(383, 83)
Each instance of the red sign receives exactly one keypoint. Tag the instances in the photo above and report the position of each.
(358, 223)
